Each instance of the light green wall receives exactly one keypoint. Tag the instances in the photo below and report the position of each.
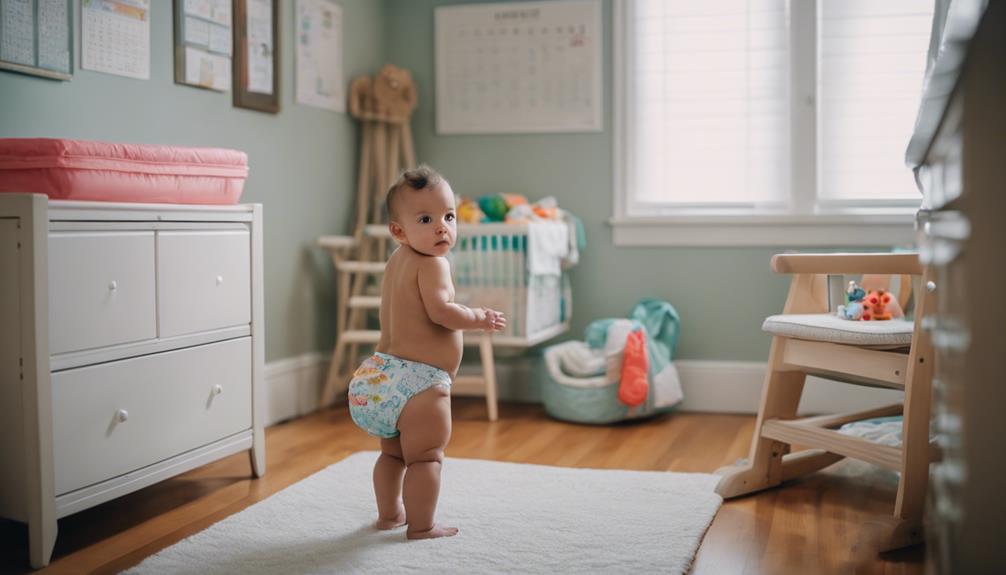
(302, 161)
(722, 294)
(303, 170)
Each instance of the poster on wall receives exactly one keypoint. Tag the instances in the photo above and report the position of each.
(115, 37)
(319, 55)
(36, 37)
(256, 55)
(203, 43)
(519, 67)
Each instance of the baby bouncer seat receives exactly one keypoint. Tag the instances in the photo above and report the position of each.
(622, 370)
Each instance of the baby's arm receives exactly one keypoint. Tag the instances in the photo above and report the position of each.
(436, 291)
(385, 319)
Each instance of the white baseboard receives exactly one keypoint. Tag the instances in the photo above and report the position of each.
(294, 385)
(735, 387)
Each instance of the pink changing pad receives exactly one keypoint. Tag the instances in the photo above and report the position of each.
(107, 172)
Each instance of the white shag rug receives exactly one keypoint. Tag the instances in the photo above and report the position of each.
(513, 518)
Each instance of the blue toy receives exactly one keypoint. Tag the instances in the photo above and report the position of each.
(853, 308)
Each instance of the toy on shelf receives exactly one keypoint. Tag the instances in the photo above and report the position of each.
(494, 207)
(469, 211)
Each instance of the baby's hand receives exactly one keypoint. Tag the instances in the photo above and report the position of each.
(491, 320)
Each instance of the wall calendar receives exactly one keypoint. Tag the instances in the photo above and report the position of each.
(519, 67)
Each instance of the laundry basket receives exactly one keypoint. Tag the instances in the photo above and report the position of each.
(586, 391)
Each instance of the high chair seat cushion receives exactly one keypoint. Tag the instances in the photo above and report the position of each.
(827, 327)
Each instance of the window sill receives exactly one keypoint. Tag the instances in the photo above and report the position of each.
(822, 230)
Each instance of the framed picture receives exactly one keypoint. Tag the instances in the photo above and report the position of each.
(203, 44)
(256, 55)
(37, 38)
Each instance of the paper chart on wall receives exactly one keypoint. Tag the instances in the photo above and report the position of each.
(319, 55)
(36, 37)
(519, 67)
(115, 37)
(259, 24)
(205, 40)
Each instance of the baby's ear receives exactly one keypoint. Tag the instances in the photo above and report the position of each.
(397, 232)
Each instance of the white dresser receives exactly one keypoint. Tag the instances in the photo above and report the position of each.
(131, 350)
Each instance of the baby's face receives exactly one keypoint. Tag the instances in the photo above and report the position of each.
(426, 220)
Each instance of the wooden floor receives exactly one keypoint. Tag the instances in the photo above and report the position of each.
(810, 526)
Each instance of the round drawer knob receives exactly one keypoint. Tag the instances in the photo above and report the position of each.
(121, 415)
(113, 285)
(218, 389)
(220, 280)
(930, 286)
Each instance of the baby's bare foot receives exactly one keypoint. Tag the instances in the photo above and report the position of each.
(432, 533)
(397, 521)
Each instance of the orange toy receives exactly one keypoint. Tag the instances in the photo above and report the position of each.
(875, 306)
(633, 386)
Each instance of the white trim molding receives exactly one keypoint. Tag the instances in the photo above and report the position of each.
(845, 230)
(294, 386)
(735, 387)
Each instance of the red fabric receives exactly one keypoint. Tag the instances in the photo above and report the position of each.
(633, 387)
(110, 172)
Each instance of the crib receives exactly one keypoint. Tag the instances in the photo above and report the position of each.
(490, 266)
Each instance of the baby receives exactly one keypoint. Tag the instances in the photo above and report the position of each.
(401, 394)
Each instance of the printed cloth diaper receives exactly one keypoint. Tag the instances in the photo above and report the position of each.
(381, 387)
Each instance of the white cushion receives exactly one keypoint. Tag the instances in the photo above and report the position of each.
(893, 333)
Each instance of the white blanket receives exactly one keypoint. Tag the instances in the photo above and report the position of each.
(547, 245)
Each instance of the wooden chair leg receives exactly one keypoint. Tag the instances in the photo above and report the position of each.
(334, 374)
(489, 374)
(780, 399)
(905, 527)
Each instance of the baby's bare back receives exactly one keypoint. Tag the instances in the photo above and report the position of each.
(411, 334)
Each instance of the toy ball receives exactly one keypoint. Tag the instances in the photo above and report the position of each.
(494, 207)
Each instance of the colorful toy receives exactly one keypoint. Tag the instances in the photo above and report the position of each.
(514, 200)
(877, 306)
(494, 207)
(853, 308)
(469, 212)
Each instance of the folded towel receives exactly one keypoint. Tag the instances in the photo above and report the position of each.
(547, 244)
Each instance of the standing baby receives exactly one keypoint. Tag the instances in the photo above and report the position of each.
(401, 394)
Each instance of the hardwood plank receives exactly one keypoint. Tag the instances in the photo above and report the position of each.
(808, 526)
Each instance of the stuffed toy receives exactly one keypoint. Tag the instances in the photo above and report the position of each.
(494, 207)
(853, 308)
(469, 212)
(880, 305)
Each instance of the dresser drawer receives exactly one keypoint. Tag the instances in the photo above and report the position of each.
(113, 418)
(101, 289)
(203, 280)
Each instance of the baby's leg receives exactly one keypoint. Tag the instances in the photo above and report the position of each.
(425, 425)
(388, 473)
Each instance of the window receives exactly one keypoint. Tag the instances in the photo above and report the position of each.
(786, 115)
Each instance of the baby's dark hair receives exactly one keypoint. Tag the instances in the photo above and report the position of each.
(418, 178)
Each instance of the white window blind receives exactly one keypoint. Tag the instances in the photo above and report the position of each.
(709, 103)
(871, 61)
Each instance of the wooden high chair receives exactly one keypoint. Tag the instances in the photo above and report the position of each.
(809, 339)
